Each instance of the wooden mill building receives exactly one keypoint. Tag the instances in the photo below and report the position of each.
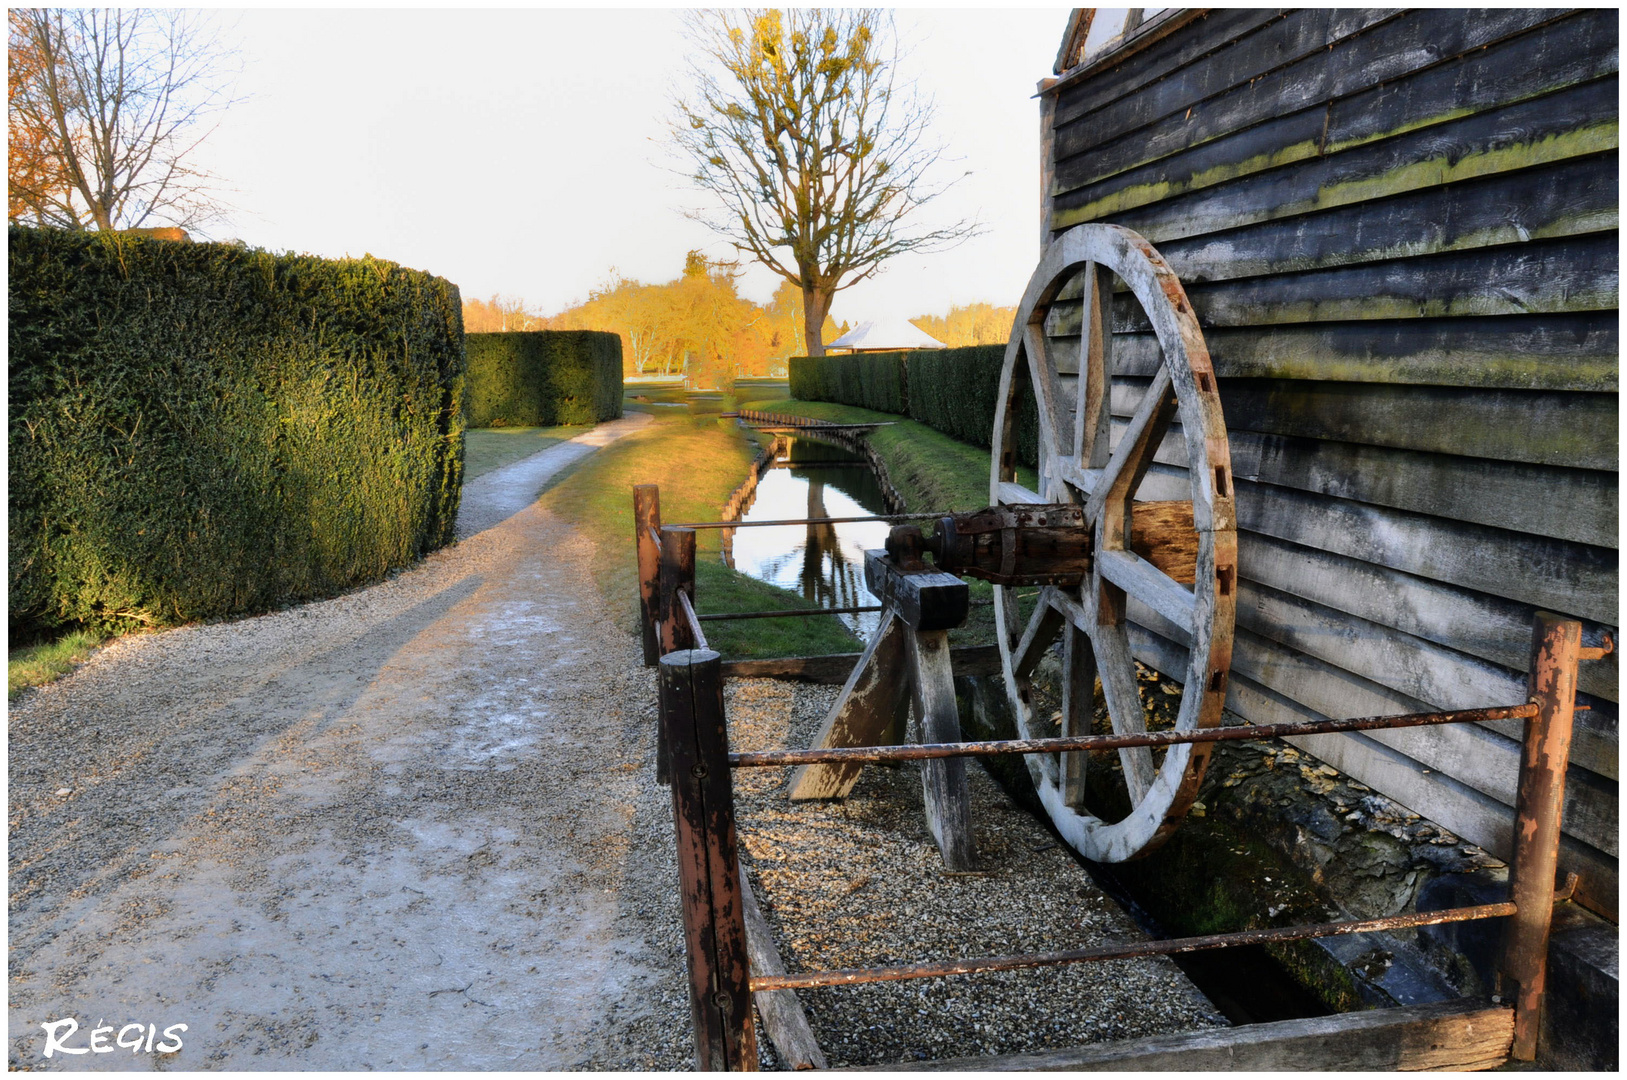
(1399, 232)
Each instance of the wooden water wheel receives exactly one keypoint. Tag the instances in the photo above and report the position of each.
(1132, 574)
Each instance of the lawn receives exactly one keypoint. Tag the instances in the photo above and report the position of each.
(485, 449)
(36, 665)
(697, 461)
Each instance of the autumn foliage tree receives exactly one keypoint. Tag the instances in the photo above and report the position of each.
(815, 154)
(697, 324)
(498, 314)
(969, 324)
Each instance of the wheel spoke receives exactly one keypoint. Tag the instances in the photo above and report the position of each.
(1145, 582)
(1042, 630)
(1014, 494)
(1042, 377)
(1006, 597)
(1078, 707)
(1130, 459)
(1118, 673)
(1091, 432)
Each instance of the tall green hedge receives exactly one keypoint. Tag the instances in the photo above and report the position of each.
(539, 378)
(202, 430)
(950, 390)
(867, 380)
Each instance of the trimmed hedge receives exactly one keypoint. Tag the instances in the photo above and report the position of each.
(950, 390)
(543, 378)
(867, 380)
(202, 430)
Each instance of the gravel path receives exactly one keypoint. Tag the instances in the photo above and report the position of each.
(414, 827)
(404, 828)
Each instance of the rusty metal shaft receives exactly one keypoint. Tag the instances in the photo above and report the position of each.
(804, 521)
(937, 970)
(876, 754)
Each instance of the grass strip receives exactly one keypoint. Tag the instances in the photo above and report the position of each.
(36, 665)
(697, 461)
(488, 449)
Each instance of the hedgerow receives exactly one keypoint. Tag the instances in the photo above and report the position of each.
(543, 378)
(201, 430)
(954, 391)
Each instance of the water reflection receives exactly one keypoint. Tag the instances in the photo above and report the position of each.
(823, 563)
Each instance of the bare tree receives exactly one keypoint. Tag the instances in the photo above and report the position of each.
(817, 153)
(113, 103)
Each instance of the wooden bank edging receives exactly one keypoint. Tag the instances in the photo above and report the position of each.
(843, 435)
(1447, 1035)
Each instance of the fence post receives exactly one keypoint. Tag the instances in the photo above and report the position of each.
(676, 573)
(647, 516)
(708, 863)
(1555, 650)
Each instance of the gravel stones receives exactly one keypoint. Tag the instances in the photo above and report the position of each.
(858, 882)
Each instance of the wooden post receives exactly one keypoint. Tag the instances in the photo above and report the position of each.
(676, 573)
(708, 865)
(647, 516)
(1555, 647)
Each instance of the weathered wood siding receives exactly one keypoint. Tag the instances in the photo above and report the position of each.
(1399, 230)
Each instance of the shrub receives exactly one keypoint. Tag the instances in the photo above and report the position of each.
(950, 390)
(867, 380)
(201, 430)
(543, 378)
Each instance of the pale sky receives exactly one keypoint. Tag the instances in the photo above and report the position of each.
(520, 151)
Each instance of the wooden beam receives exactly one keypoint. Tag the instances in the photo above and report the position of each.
(943, 781)
(861, 713)
(1447, 1035)
(783, 1019)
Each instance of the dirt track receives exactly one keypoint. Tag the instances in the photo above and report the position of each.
(415, 827)
(406, 828)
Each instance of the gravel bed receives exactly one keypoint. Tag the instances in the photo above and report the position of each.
(859, 882)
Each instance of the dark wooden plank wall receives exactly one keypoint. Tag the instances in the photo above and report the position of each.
(1399, 230)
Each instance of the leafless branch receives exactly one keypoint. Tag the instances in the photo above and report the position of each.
(116, 102)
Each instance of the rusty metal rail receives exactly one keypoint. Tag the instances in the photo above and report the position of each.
(804, 521)
(695, 632)
(867, 755)
(788, 613)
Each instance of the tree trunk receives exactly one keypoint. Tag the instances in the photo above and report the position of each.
(815, 308)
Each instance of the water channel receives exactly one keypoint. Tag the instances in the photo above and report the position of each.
(824, 564)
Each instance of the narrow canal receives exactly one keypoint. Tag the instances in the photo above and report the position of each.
(822, 563)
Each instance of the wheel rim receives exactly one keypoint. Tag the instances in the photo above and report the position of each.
(1078, 466)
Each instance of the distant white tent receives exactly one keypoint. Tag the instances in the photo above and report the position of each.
(884, 335)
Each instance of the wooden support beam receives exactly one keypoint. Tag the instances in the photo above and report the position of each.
(1447, 1035)
(943, 781)
(784, 1021)
(708, 864)
(930, 600)
(862, 713)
